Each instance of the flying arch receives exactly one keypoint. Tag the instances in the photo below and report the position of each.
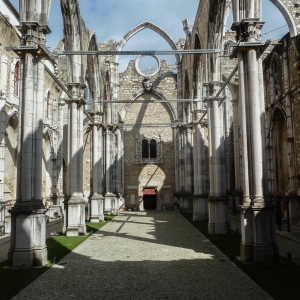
(93, 72)
(155, 91)
(141, 27)
(287, 15)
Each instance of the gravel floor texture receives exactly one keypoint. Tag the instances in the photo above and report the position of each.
(153, 255)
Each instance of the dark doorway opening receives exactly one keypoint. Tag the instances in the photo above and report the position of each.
(149, 198)
(149, 201)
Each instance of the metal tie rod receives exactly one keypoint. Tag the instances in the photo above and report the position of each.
(143, 52)
(139, 101)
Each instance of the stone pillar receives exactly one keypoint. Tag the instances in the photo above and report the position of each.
(257, 212)
(60, 164)
(28, 223)
(75, 203)
(3, 114)
(2, 157)
(200, 193)
(218, 200)
(28, 231)
(110, 197)
(189, 168)
(96, 197)
(175, 139)
(236, 146)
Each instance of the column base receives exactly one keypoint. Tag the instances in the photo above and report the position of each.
(96, 208)
(199, 216)
(75, 211)
(211, 228)
(113, 200)
(264, 254)
(246, 253)
(28, 237)
(258, 233)
(218, 215)
(199, 208)
(222, 228)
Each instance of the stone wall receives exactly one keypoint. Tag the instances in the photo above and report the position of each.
(148, 121)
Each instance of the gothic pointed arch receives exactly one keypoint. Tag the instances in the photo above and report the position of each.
(288, 11)
(93, 74)
(290, 19)
(233, 88)
(73, 38)
(155, 91)
(141, 27)
(196, 66)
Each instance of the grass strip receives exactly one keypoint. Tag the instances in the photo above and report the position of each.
(280, 280)
(13, 280)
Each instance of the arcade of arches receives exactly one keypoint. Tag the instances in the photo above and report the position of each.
(72, 147)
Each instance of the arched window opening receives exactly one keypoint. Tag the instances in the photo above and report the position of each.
(87, 96)
(149, 150)
(48, 100)
(275, 78)
(153, 149)
(16, 79)
(196, 68)
(145, 149)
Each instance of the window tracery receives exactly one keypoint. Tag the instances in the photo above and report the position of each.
(16, 79)
(149, 150)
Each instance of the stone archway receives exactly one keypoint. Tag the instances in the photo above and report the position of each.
(289, 12)
(93, 75)
(141, 27)
(155, 91)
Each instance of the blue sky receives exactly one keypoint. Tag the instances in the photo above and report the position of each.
(112, 19)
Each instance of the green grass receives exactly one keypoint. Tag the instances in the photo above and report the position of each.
(13, 280)
(279, 280)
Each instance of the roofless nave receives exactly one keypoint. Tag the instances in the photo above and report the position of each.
(234, 151)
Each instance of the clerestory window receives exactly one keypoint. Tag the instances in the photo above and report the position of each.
(48, 104)
(16, 79)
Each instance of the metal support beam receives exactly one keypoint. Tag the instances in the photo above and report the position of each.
(141, 101)
(142, 52)
(227, 81)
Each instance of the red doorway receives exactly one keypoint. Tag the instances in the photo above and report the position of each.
(149, 198)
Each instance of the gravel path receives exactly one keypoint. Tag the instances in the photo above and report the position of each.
(156, 255)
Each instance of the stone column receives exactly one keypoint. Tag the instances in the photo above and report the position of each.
(257, 212)
(96, 199)
(3, 114)
(189, 168)
(200, 192)
(110, 197)
(246, 215)
(236, 146)
(2, 157)
(60, 165)
(218, 200)
(181, 166)
(28, 231)
(75, 203)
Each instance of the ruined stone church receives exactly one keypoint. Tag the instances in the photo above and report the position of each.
(217, 134)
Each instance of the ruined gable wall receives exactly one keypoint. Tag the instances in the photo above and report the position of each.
(151, 121)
